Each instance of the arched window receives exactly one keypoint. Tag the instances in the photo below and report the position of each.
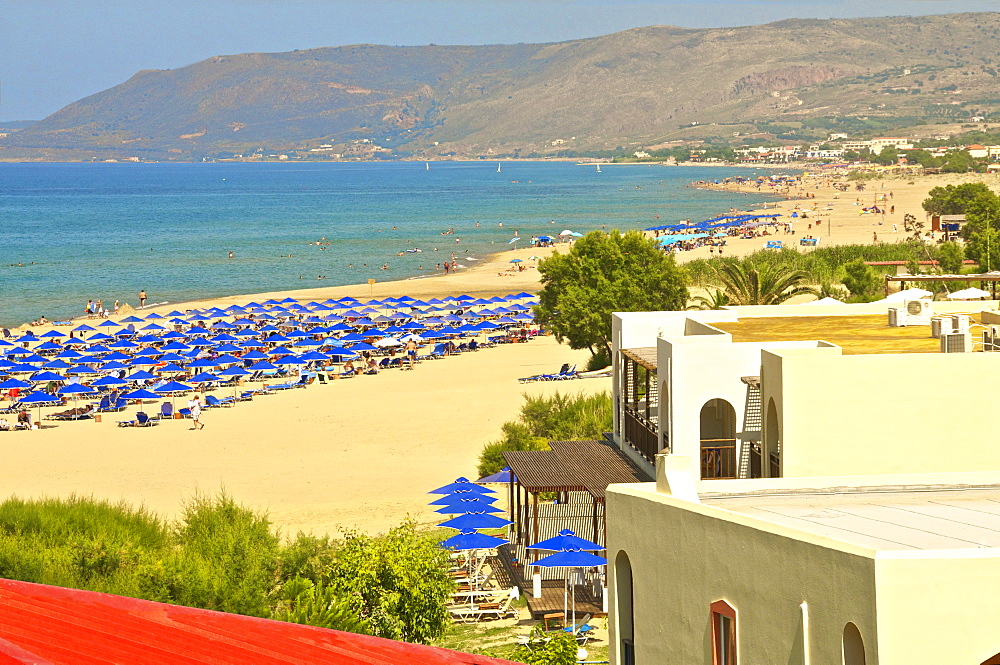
(723, 633)
(624, 610)
(854, 646)
(718, 439)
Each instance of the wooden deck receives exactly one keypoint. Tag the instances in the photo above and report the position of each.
(552, 590)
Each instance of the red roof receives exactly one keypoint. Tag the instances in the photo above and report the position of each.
(46, 625)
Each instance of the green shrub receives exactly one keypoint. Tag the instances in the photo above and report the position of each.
(549, 418)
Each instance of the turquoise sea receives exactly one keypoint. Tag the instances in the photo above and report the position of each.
(106, 231)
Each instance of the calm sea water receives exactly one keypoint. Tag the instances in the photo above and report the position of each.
(108, 230)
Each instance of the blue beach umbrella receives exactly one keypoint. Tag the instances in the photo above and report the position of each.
(476, 521)
(504, 475)
(570, 559)
(108, 381)
(173, 387)
(140, 395)
(204, 377)
(468, 506)
(75, 389)
(461, 484)
(566, 541)
(10, 384)
(141, 375)
(472, 540)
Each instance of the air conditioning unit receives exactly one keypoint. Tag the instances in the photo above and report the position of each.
(941, 325)
(897, 317)
(956, 342)
(960, 322)
(918, 312)
(991, 338)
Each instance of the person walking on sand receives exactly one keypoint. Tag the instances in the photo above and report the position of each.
(194, 405)
(411, 351)
(142, 298)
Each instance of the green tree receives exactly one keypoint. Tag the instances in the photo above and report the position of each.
(887, 157)
(604, 273)
(716, 299)
(861, 281)
(959, 199)
(748, 284)
(950, 258)
(397, 583)
(983, 247)
(545, 418)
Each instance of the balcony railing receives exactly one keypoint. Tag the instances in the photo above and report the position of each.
(718, 459)
(641, 434)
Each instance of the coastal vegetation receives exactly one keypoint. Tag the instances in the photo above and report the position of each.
(223, 556)
(559, 417)
(604, 273)
(745, 283)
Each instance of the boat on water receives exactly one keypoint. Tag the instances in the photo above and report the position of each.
(599, 168)
(498, 167)
(427, 166)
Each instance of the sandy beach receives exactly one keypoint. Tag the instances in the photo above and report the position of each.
(357, 453)
(835, 218)
(362, 453)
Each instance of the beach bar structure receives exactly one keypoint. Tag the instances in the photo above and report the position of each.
(905, 281)
(576, 474)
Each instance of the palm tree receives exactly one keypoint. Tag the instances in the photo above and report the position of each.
(716, 299)
(746, 284)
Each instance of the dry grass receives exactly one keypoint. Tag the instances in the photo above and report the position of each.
(855, 334)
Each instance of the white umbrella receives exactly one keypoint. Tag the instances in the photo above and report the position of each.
(971, 293)
(567, 232)
(907, 294)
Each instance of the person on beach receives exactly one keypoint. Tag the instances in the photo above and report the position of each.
(411, 351)
(194, 405)
(142, 298)
(89, 309)
(116, 308)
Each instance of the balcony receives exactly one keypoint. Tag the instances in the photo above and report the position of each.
(640, 433)
(718, 459)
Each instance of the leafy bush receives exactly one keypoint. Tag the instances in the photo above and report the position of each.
(549, 418)
(559, 649)
(223, 556)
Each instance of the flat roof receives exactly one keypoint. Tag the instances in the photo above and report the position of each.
(868, 333)
(880, 518)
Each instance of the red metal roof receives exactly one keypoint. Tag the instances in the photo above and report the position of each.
(46, 625)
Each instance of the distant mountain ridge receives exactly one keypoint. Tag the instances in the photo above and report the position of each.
(636, 87)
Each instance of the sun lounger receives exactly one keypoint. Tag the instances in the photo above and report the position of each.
(141, 420)
(473, 612)
(78, 413)
(213, 401)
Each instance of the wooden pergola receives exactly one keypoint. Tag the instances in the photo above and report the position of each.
(990, 277)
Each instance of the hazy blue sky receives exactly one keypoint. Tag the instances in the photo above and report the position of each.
(53, 52)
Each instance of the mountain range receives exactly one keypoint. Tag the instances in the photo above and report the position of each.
(795, 79)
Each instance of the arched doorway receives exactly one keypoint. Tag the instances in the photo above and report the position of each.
(772, 441)
(718, 439)
(853, 646)
(625, 613)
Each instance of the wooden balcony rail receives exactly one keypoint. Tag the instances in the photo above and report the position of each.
(641, 434)
(718, 459)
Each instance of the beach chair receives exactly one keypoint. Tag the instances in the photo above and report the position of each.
(166, 411)
(143, 420)
(565, 373)
(322, 378)
(79, 413)
(213, 401)
(473, 612)
(246, 395)
(582, 630)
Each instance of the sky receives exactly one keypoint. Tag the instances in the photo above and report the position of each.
(53, 52)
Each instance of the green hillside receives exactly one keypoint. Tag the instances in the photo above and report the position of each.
(797, 79)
